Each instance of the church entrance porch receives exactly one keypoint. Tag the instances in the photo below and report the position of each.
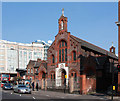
(61, 75)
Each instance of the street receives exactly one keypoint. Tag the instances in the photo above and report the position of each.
(41, 95)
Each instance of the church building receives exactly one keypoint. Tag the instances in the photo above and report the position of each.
(70, 56)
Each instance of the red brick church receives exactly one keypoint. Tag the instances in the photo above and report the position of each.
(70, 56)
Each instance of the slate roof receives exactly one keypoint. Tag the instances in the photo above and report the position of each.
(99, 61)
(93, 47)
(32, 62)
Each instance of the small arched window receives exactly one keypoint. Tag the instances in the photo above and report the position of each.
(74, 55)
(53, 59)
(61, 25)
(74, 74)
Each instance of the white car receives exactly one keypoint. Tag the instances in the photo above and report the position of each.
(21, 89)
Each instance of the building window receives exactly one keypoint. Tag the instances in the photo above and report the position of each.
(53, 59)
(28, 71)
(51, 76)
(62, 51)
(62, 54)
(31, 71)
(75, 77)
(61, 25)
(60, 45)
(74, 56)
(65, 54)
(54, 76)
(59, 55)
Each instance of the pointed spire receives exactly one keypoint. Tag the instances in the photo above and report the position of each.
(63, 11)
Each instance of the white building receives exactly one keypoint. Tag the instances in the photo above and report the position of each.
(15, 55)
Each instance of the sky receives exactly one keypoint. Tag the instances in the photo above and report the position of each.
(94, 22)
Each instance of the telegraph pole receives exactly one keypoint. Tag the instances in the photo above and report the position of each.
(112, 79)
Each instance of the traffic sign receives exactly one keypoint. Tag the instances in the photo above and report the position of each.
(65, 76)
(113, 87)
(118, 66)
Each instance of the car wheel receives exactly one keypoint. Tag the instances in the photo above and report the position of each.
(13, 91)
(19, 92)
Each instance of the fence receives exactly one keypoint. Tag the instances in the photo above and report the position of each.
(63, 85)
(91, 85)
(80, 85)
(76, 85)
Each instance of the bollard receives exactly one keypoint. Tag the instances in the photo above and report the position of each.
(45, 84)
(42, 86)
(71, 85)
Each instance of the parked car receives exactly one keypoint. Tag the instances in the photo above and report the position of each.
(7, 86)
(2, 83)
(21, 89)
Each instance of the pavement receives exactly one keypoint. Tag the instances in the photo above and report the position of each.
(42, 95)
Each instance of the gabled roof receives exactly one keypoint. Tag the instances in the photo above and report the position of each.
(94, 48)
(32, 62)
(37, 64)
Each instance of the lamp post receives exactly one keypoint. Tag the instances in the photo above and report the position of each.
(112, 79)
(118, 24)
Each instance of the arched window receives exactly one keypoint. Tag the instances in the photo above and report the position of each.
(62, 51)
(73, 74)
(54, 76)
(53, 59)
(74, 55)
(75, 77)
(61, 25)
(51, 77)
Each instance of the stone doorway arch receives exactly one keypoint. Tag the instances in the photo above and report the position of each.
(61, 71)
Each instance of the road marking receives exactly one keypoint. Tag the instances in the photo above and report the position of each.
(48, 95)
(11, 93)
(101, 98)
(33, 97)
(62, 97)
(20, 94)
